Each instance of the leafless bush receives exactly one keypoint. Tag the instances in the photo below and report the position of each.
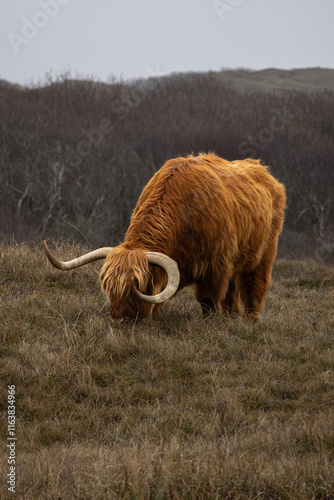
(75, 155)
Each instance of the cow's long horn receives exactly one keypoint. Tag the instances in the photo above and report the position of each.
(100, 253)
(173, 278)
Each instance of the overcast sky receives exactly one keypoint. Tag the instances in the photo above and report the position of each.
(139, 38)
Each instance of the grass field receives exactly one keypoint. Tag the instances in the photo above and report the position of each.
(179, 407)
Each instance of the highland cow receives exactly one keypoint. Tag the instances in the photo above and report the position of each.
(200, 220)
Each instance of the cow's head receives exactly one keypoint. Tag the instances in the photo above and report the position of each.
(132, 285)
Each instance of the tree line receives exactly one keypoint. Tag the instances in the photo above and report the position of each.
(75, 154)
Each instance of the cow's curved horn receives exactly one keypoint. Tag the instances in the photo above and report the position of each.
(100, 253)
(173, 278)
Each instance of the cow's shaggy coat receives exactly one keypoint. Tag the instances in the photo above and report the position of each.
(218, 220)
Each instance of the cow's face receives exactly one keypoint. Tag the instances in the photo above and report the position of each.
(124, 270)
(130, 309)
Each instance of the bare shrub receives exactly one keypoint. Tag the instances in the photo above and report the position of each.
(75, 155)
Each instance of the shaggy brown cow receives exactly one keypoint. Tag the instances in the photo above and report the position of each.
(201, 220)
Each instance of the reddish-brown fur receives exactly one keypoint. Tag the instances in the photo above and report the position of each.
(218, 220)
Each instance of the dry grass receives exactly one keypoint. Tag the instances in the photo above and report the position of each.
(179, 407)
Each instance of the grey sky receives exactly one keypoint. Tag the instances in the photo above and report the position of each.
(136, 38)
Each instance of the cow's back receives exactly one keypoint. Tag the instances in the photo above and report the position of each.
(205, 209)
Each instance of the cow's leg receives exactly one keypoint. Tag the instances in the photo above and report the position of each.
(230, 304)
(254, 285)
(209, 293)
